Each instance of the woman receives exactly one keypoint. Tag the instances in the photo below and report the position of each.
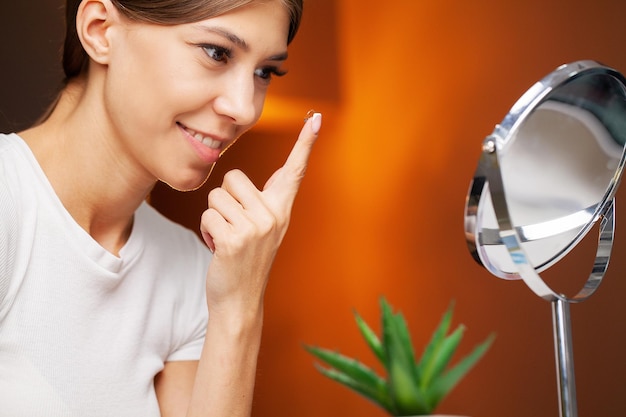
(103, 302)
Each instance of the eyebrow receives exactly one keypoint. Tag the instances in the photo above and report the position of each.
(238, 41)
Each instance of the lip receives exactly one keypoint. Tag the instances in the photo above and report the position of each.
(208, 147)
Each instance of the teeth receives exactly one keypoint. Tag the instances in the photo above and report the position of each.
(206, 141)
(213, 144)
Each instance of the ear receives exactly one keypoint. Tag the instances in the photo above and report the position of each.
(93, 23)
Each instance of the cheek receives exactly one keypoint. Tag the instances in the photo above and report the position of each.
(149, 81)
(148, 96)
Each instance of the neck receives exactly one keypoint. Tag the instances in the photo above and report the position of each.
(90, 177)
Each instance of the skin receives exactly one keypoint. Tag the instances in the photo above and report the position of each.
(130, 121)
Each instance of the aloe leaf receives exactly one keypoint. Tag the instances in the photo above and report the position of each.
(403, 379)
(378, 396)
(351, 367)
(436, 339)
(405, 393)
(411, 388)
(446, 382)
(441, 357)
(397, 332)
(370, 337)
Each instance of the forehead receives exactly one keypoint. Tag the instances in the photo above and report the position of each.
(257, 22)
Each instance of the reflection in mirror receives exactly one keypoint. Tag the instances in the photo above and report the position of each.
(558, 163)
(547, 176)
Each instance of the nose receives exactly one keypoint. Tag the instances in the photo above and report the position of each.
(238, 99)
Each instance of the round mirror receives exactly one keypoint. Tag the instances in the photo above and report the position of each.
(548, 173)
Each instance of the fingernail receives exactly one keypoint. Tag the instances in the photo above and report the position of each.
(316, 122)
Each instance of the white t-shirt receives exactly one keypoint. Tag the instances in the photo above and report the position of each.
(83, 332)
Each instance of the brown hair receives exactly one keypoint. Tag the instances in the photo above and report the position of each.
(163, 12)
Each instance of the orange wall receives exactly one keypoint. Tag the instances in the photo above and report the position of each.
(408, 90)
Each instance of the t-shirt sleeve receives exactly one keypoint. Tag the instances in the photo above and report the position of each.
(8, 236)
(194, 318)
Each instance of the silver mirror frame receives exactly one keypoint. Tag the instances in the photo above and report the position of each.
(487, 178)
(488, 181)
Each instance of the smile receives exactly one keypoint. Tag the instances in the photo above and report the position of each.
(205, 140)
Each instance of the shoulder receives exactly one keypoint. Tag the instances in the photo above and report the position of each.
(11, 181)
(156, 224)
(11, 143)
(9, 208)
(18, 166)
(174, 239)
(178, 261)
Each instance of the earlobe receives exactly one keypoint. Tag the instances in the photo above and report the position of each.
(93, 22)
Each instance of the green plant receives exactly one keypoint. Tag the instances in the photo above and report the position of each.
(411, 387)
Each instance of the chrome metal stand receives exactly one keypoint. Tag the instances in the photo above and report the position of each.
(564, 358)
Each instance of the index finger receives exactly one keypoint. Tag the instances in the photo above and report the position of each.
(299, 156)
(295, 166)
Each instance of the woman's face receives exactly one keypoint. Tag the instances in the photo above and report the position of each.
(178, 96)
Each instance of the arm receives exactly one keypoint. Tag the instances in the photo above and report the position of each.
(244, 227)
(173, 387)
(228, 362)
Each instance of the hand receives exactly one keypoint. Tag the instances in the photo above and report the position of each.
(244, 226)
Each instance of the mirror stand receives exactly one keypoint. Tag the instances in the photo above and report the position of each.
(561, 319)
(561, 324)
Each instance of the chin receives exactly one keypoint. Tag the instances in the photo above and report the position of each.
(189, 184)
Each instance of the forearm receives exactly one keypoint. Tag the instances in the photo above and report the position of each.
(244, 227)
(224, 383)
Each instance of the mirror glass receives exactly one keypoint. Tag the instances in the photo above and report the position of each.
(558, 154)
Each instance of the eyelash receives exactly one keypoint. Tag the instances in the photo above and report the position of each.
(265, 73)
(225, 53)
(269, 73)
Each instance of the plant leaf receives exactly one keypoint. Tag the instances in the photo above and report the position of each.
(397, 334)
(353, 374)
(444, 384)
(370, 337)
(440, 358)
(352, 368)
(380, 398)
(436, 339)
(403, 381)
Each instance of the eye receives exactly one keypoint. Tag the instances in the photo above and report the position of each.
(217, 53)
(266, 73)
